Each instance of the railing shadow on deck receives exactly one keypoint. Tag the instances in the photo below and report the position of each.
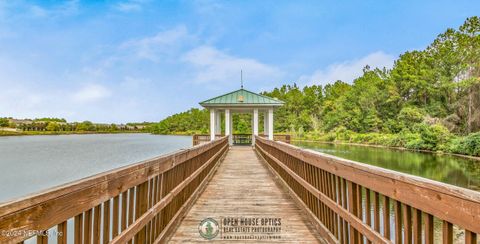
(351, 202)
(139, 202)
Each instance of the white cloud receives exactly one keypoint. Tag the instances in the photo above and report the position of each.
(347, 71)
(207, 6)
(130, 6)
(163, 43)
(216, 67)
(65, 9)
(91, 93)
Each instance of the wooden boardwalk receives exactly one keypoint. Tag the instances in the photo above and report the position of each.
(244, 187)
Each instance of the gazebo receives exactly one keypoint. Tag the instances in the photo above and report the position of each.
(241, 101)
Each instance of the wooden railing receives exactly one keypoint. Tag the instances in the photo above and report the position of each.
(139, 203)
(203, 138)
(242, 139)
(279, 137)
(352, 202)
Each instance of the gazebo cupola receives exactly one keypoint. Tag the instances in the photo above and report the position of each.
(241, 101)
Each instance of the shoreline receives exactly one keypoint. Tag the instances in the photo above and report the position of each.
(387, 147)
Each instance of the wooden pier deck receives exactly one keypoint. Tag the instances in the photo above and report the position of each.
(244, 187)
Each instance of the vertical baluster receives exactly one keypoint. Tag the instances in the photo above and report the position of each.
(106, 221)
(62, 233)
(147, 225)
(368, 213)
(78, 229)
(131, 202)
(151, 198)
(115, 218)
(447, 232)
(96, 225)
(42, 238)
(417, 226)
(317, 201)
(428, 229)
(352, 207)
(345, 206)
(407, 224)
(398, 222)
(470, 237)
(87, 227)
(305, 177)
(314, 197)
(322, 189)
(359, 209)
(334, 198)
(160, 189)
(123, 224)
(329, 194)
(386, 217)
(376, 212)
(325, 191)
(131, 205)
(339, 202)
(142, 208)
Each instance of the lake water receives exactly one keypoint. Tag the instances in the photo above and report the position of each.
(449, 169)
(33, 163)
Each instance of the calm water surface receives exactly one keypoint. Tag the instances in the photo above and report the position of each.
(33, 163)
(449, 169)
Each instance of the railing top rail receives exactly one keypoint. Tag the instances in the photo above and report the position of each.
(158, 163)
(455, 204)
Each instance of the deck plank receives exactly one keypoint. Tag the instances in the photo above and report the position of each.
(243, 187)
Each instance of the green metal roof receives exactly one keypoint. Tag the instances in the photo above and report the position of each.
(242, 97)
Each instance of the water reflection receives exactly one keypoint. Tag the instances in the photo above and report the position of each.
(454, 170)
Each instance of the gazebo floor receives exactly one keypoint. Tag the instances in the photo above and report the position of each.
(243, 187)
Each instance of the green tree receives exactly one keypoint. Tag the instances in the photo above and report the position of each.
(53, 126)
(4, 122)
(85, 126)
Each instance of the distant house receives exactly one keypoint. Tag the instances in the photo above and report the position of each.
(20, 121)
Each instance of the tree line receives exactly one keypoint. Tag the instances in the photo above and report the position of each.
(61, 125)
(430, 99)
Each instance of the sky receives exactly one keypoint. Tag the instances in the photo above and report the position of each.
(143, 60)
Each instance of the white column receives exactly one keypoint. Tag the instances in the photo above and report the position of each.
(231, 129)
(227, 124)
(270, 123)
(218, 120)
(265, 123)
(255, 124)
(212, 124)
